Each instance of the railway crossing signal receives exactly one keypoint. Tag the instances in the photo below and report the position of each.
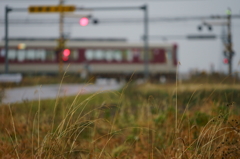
(83, 21)
(225, 60)
(59, 51)
(95, 21)
(51, 9)
(65, 54)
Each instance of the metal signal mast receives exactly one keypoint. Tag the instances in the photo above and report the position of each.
(228, 46)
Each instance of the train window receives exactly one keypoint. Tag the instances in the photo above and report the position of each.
(89, 54)
(169, 55)
(109, 55)
(50, 55)
(40, 55)
(141, 54)
(21, 55)
(150, 55)
(2, 53)
(99, 55)
(12, 54)
(129, 55)
(124, 54)
(136, 52)
(74, 55)
(30, 54)
(118, 55)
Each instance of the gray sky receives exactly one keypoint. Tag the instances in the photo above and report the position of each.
(194, 54)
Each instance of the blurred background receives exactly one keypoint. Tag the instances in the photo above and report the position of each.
(199, 28)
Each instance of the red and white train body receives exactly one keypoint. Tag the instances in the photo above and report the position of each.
(105, 59)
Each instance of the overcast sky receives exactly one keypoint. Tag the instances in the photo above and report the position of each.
(192, 54)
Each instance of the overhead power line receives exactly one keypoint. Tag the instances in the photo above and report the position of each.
(22, 21)
(190, 36)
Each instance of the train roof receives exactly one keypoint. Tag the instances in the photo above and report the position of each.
(72, 39)
(81, 43)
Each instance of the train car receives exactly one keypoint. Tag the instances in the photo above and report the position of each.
(110, 58)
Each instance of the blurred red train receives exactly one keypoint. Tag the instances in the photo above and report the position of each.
(111, 58)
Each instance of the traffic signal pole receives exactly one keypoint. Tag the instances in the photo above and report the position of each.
(229, 44)
(61, 40)
(7, 10)
(146, 44)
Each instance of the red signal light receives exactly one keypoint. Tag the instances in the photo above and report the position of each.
(65, 58)
(66, 52)
(225, 60)
(83, 21)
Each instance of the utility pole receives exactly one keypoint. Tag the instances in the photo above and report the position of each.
(146, 45)
(7, 10)
(61, 40)
(229, 42)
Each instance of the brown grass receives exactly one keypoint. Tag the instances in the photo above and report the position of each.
(136, 122)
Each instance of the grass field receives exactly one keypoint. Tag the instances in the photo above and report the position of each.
(183, 120)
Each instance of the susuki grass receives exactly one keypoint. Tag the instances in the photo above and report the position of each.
(135, 122)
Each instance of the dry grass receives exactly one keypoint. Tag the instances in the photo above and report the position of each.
(188, 87)
(136, 122)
